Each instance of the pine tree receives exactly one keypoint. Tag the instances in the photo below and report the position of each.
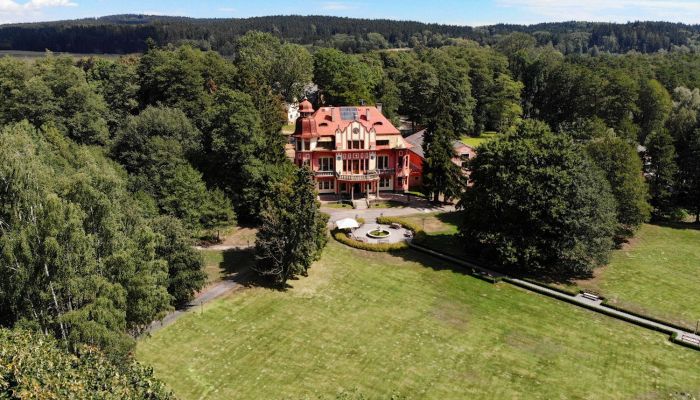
(441, 176)
(292, 233)
(661, 171)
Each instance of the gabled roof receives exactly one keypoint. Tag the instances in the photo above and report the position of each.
(416, 142)
(328, 119)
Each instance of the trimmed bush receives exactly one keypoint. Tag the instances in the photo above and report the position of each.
(343, 238)
(396, 220)
(360, 221)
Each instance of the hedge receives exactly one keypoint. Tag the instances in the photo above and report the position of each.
(343, 238)
(395, 220)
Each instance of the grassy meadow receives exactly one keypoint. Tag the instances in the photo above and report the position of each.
(407, 324)
(656, 273)
(475, 141)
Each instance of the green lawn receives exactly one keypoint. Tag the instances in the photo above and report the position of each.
(476, 141)
(657, 273)
(336, 205)
(402, 324)
(441, 229)
(388, 204)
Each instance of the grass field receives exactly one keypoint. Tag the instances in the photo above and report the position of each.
(476, 141)
(442, 229)
(403, 324)
(657, 273)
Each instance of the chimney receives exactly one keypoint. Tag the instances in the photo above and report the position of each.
(379, 107)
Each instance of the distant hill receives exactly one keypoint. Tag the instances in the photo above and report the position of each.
(128, 34)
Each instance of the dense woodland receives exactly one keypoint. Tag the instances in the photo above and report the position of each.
(110, 168)
(128, 33)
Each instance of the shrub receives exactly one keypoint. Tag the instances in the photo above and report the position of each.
(343, 238)
(395, 220)
(360, 220)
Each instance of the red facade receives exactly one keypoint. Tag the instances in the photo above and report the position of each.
(353, 151)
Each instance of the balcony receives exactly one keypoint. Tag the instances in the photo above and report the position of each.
(386, 171)
(366, 176)
(324, 173)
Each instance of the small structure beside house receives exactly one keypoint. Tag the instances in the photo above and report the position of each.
(292, 112)
(417, 157)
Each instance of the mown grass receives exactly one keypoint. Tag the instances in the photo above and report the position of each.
(476, 141)
(657, 273)
(407, 324)
(441, 230)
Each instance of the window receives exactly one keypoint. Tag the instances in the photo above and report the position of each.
(383, 162)
(355, 144)
(384, 183)
(325, 164)
(400, 182)
(325, 145)
(307, 145)
(401, 162)
(298, 144)
(382, 142)
(326, 185)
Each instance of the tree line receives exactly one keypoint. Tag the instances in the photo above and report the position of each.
(122, 34)
(109, 168)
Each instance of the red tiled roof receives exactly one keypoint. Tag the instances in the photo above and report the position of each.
(328, 119)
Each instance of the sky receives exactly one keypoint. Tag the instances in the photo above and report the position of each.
(464, 12)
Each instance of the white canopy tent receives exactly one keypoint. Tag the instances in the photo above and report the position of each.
(347, 223)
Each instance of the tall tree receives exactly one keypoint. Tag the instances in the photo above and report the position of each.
(34, 366)
(655, 106)
(623, 169)
(441, 176)
(661, 172)
(538, 205)
(185, 265)
(292, 234)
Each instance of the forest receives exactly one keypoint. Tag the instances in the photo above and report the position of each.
(109, 169)
(122, 34)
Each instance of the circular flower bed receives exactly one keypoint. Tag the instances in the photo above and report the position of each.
(378, 233)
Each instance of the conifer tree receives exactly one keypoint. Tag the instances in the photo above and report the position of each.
(661, 171)
(293, 232)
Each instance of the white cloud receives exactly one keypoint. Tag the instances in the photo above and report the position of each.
(607, 10)
(11, 10)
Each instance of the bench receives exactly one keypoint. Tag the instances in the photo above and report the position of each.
(590, 296)
(395, 225)
(690, 339)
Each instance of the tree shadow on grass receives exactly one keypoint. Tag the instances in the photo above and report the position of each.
(237, 265)
(451, 218)
(677, 224)
(451, 245)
